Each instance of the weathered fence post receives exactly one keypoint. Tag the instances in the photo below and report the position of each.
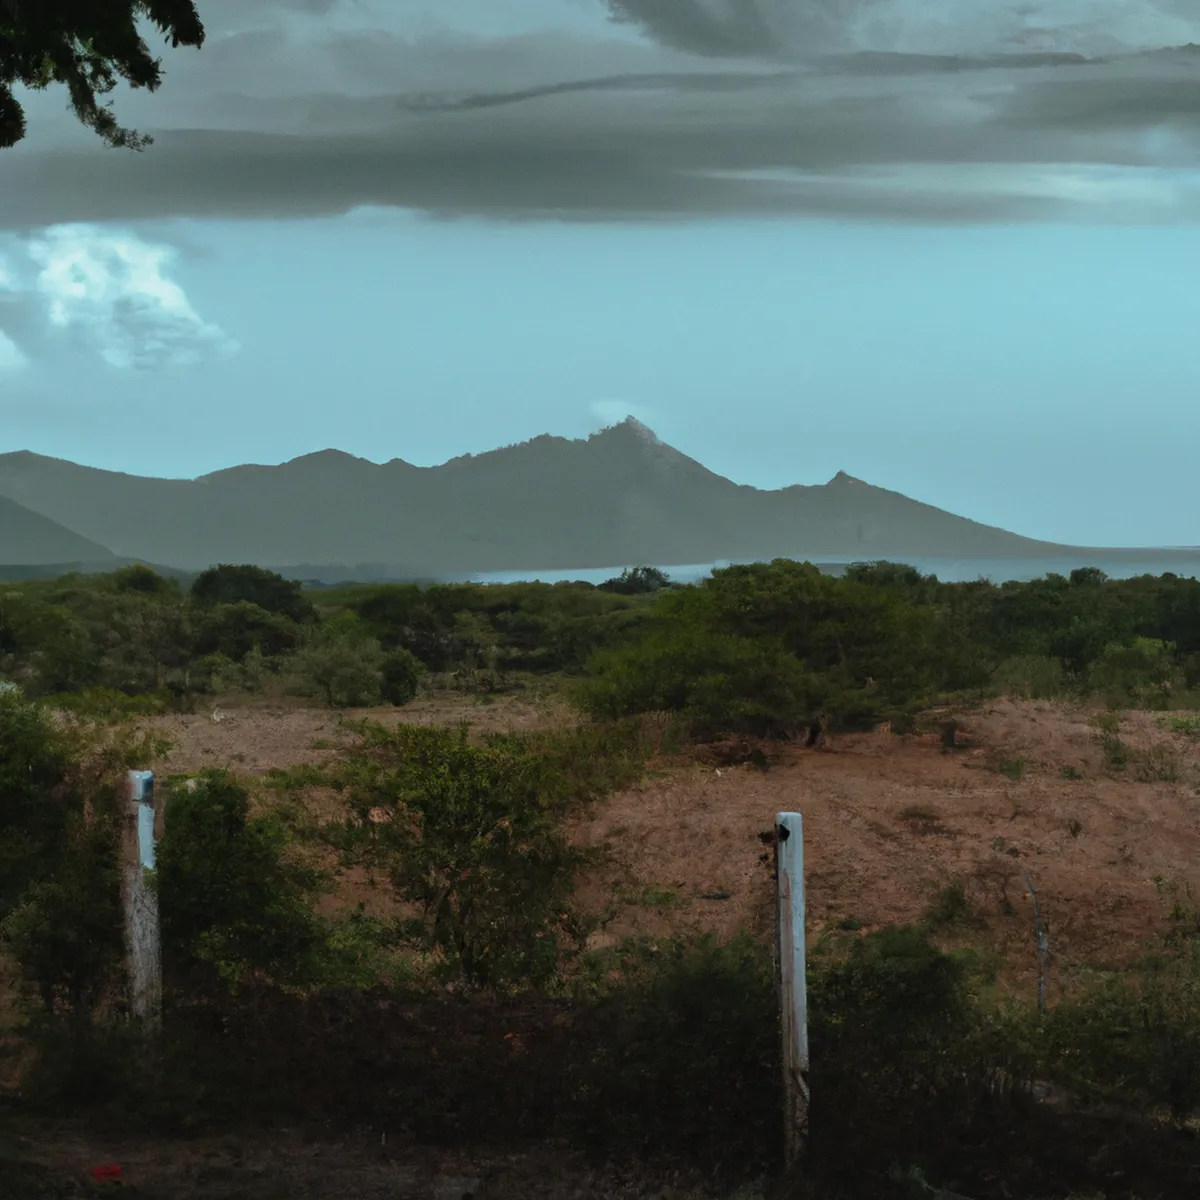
(793, 989)
(141, 904)
(1043, 944)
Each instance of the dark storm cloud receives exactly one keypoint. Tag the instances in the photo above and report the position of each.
(736, 28)
(587, 126)
(744, 28)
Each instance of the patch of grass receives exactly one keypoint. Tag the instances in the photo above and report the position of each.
(1012, 768)
(919, 812)
(850, 924)
(922, 818)
(1070, 772)
(952, 909)
(653, 896)
(1074, 827)
(1159, 764)
(107, 705)
(1115, 752)
(1187, 726)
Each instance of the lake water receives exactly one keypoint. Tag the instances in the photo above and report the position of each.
(949, 570)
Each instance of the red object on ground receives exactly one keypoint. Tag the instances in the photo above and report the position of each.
(106, 1173)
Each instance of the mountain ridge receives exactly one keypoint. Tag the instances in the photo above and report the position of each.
(620, 495)
(33, 539)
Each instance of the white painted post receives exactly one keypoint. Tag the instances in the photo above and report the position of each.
(793, 990)
(141, 904)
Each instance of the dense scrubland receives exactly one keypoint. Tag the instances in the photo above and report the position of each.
(469, 1003)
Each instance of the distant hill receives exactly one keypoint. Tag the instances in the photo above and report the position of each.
(618, 496)
(32, 539)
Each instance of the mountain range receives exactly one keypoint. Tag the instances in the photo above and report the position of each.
(620, 496)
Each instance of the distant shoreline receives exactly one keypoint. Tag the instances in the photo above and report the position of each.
(1118, 564)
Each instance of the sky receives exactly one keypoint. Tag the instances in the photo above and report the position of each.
(948, 247)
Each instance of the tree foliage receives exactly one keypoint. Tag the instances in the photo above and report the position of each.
(248, 584)
(88, 46)
(232, 904)
(471, 836)
(60, 807)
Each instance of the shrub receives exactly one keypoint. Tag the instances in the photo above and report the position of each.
(340, 665)
(233, 904)
(1031, 677)
(1141, 672)
(893, 1009)
(471, 836)
(635, 581)
(140, 578)
(400, 676)
(719, 682)
(246, 584)
(60, 806)
(684, 1056)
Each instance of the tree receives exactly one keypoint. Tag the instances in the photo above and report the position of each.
(341, 665)
(230, 584)
(400, 677)
(89, 45)
(636, 581)
(471, 836)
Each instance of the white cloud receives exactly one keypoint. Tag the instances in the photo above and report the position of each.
(113, 290)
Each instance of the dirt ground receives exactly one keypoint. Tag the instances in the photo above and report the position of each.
(253, 738)
(288, 1165)
(1025, 799)
(890, 821)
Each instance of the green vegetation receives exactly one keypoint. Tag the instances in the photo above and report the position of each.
(89, 49)
(766, 649)
(465, 997)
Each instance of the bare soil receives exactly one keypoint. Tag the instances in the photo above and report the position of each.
(1025, 799)
(890, 821)
(251, 739)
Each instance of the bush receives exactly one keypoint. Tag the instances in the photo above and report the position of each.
(233, 905)
(140, 578)
(719, 682)
(60, 808)
(106, 704)
(245, 584)
(341, 666)
(1031, 677)
(635, 581)
(400, 676)
(1137, 1034)
(892, 1010)
(684, 1056)
(1141, 672)
(235, 630)
(471, 836)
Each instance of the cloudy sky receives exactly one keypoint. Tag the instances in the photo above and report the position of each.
(948, 246)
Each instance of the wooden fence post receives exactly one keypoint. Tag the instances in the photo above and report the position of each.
(141, 904)
(793, 990)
